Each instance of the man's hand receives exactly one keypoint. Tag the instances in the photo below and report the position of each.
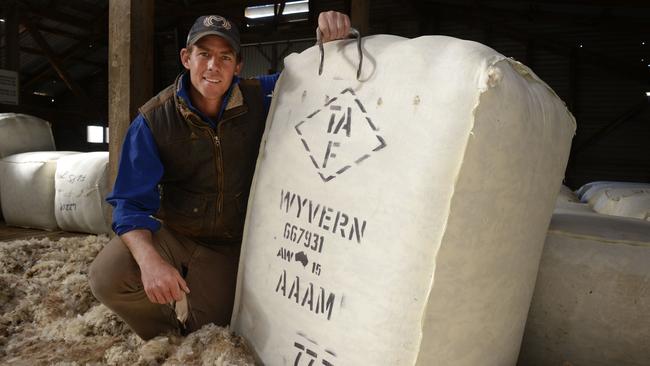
(162, 282)
(333, 25)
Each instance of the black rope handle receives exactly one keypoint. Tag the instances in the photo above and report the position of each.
(319, 40)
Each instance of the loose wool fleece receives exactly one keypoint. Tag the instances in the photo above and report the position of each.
(48, 316)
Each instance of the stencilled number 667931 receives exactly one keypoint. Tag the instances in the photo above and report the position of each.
(303, 237)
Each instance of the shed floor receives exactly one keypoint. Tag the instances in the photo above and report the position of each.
(9, 233)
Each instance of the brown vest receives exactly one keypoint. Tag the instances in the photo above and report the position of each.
(207, 173)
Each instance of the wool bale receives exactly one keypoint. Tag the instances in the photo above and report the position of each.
(591, 191)
(614, 190)
(637, 206)
(399, 219)
(81, 186)
(24, 133)
(591, 300)
(563, 206)
(567, 200)
(567, 195)
(27, 188)
(625, 202)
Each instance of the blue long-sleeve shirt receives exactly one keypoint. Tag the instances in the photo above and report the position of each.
(135, 196)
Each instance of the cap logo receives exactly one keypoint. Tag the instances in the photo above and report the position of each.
(215, 20)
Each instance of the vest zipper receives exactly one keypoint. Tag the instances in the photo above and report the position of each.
(220, 172)
(220, 158)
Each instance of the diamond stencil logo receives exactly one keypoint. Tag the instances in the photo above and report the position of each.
(339, 135)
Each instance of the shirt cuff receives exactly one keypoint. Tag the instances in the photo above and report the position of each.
(136, 222)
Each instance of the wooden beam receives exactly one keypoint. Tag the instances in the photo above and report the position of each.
(94, 34)
(278, 9)
(46, 69)
(11, 50)
(61, 17)
(35, 51)
(71, 35)
(610, 127)
(130, 68)
(360, 16)
(82, 6)
(259, 49)
(56, 62)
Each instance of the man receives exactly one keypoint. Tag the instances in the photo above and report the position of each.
(182, 188)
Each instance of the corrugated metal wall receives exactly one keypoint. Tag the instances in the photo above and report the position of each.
(258, 58)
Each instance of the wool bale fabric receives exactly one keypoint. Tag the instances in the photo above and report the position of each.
(624, 202)
(590, 192)
(591, 299)
(24, 133)
(27, 188)
(399, 218)
(81, 186)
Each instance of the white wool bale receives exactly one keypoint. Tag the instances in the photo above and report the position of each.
(615, 190)
(564, 206)
(626, 202)
(591, 191)
(637, 206)
(24, 133)
(567, 195)
(567, 200)
(27, 188)
(81, 185)
(407, 210)
(591, 299)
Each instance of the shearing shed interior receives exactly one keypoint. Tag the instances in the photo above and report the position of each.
(460, 182)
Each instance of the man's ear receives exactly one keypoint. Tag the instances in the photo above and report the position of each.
(185, 58)
(238, 67)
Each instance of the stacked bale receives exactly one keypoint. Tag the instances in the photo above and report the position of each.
(81, 185)
(23, 133)
(567, 200)
(624, 202)
(567, 195)
(400, 219)
(637, 206)
(590, 191)
(591, 299)
(27, 188)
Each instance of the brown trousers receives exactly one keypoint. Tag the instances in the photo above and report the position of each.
(210, 273)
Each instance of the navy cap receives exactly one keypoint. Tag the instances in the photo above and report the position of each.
(217, 25)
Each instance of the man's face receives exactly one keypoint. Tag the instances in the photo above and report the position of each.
(212, 64)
